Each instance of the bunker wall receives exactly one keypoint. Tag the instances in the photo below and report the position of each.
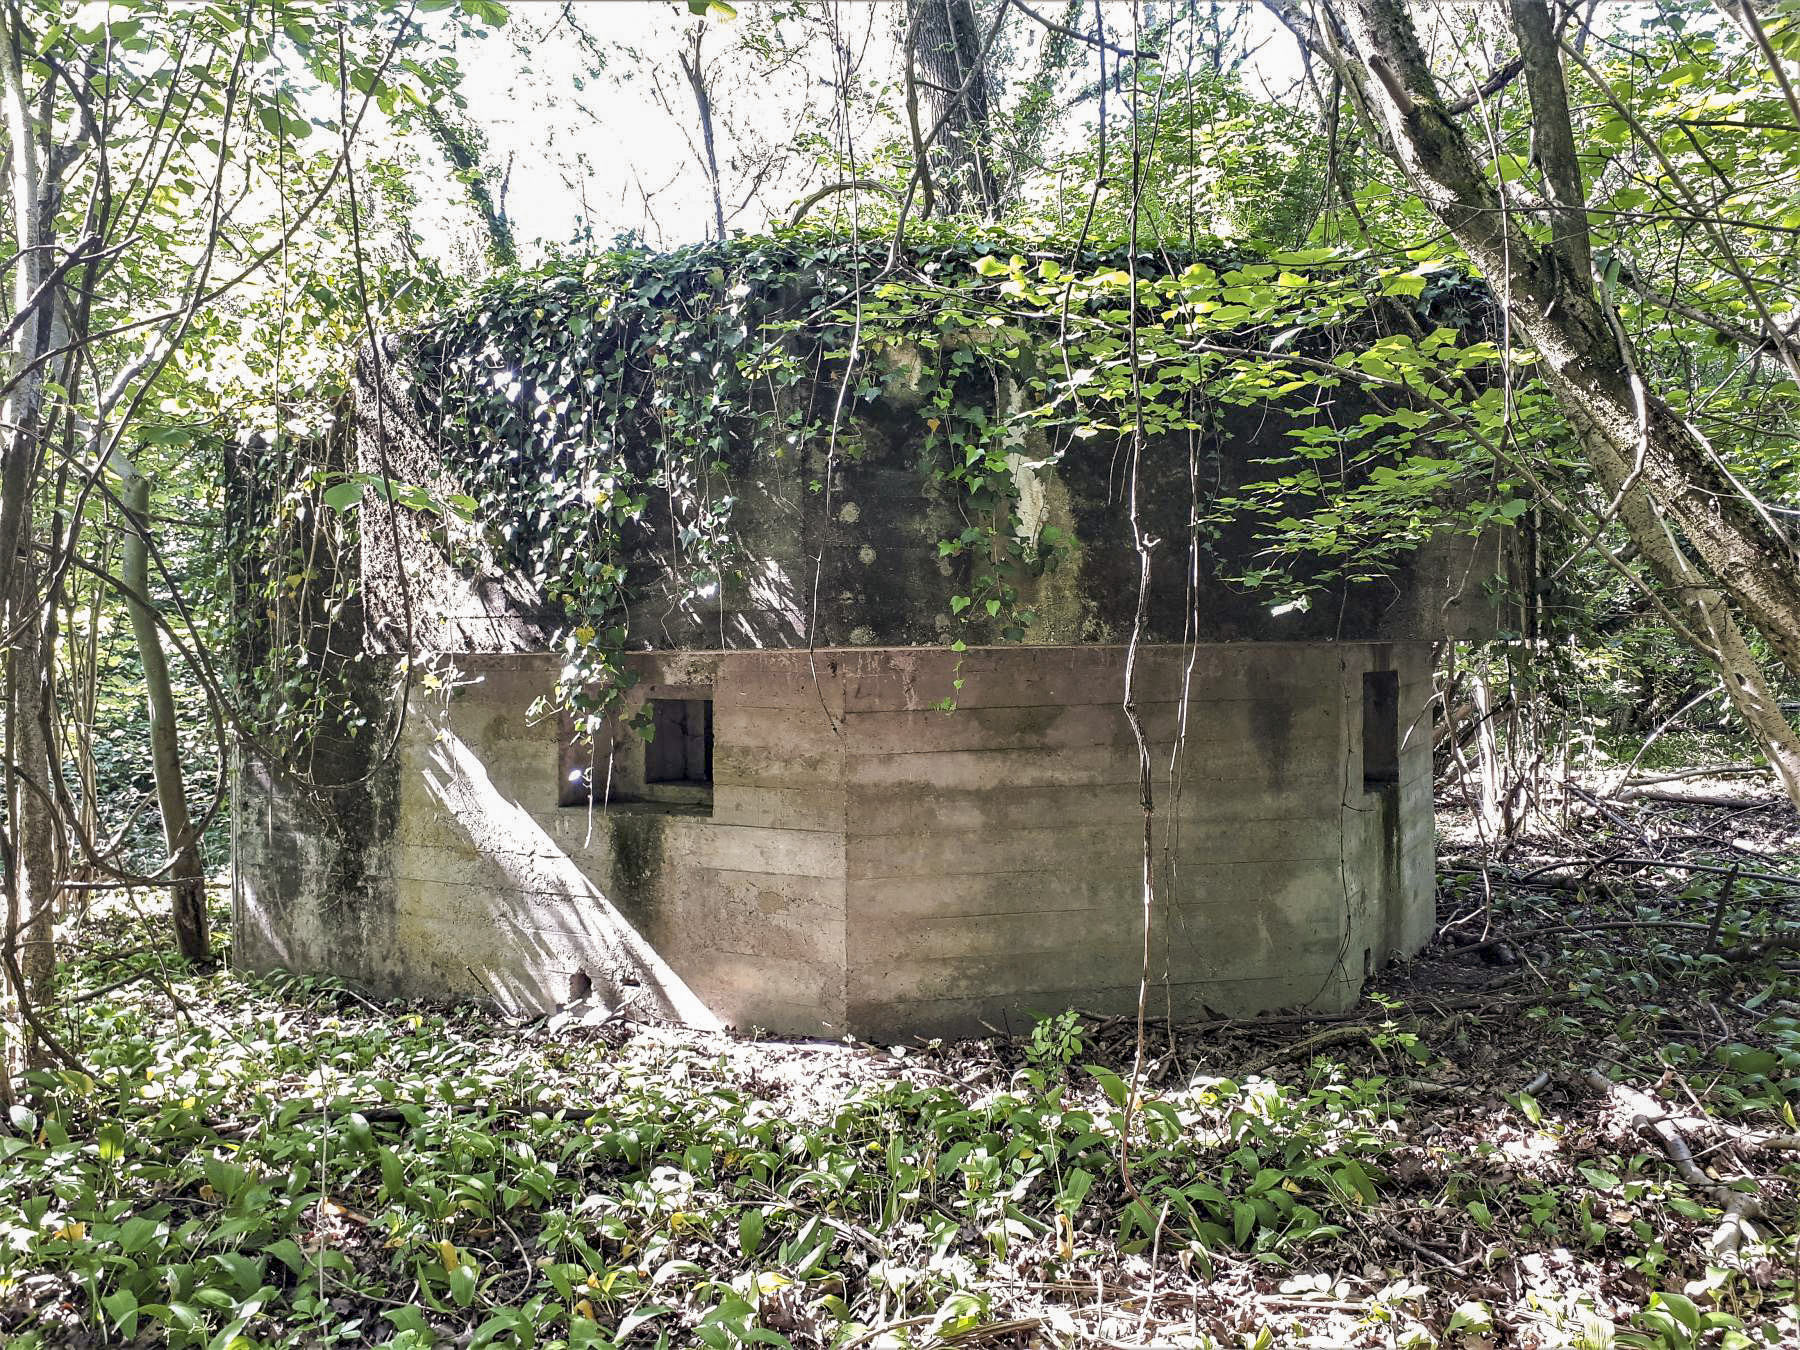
(872, 863)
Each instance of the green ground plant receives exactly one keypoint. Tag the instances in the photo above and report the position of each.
(280, 1163)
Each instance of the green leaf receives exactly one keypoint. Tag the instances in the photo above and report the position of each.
(1110, 1083)
(1355, 1181)
(1681, 1308)
(410, 1319)
(462, 1282)
(1749, 1060)
(750, 1231)
(136, 1234)
(1075, 1188)
(122, 1306)
(1687, 1208)
(1243, 1221)
(111, 1139)
(488, 11)
(277, 123)
(246, 1271)
(1470, 1316)
(393, 1173)
(1509, 167)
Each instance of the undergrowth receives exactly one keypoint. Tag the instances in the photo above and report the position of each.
(278, 1162)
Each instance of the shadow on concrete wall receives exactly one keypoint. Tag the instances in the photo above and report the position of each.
(559, 919)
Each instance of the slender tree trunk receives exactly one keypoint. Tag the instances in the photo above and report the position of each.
(27, 943)
(462, 148)
(27, 957)
(696, 77)
(1490, 772)
(187, 886)
(35, 814)
(31, 236)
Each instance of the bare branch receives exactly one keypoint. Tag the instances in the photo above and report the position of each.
(1092, 40)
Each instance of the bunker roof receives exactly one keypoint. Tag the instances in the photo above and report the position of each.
(802, 440)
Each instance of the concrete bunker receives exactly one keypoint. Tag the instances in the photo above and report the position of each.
(843, 824)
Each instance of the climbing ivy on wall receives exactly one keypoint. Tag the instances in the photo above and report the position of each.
(602, 406)
(605, 405)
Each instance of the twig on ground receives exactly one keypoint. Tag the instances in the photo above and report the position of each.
(1574, 930)
(1755, 951)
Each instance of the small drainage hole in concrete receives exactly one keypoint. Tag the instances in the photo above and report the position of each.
(581, 984)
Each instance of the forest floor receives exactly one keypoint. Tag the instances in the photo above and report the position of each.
(1571, 1122)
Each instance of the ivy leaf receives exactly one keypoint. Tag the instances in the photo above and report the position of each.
(488, 11)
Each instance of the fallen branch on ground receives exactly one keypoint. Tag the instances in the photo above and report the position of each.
(1631, 794)
(1722, 771)
(1652, 1121)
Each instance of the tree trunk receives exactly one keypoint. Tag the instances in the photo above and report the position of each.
(1644, 456)
(36, 815)
(1490, 771)
(27, 957)
(1703, 608)
(27, 943)
(1586, 360)
(187, 885)
(947, 53)
(462, 148)
(32, 221)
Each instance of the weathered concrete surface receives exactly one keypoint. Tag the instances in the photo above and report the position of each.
(873, 865)
(840, 549)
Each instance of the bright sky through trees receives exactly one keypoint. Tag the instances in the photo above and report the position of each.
(590, 123)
